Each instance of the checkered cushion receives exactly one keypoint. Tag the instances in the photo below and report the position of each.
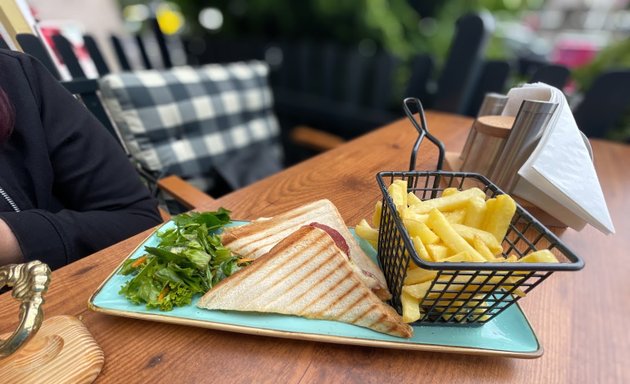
(198, 122)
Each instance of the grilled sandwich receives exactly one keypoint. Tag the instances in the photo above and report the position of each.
(307, 275)
(258, 237)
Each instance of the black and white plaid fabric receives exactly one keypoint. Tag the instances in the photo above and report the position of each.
(198, 122)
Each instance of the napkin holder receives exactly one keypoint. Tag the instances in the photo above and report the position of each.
(59, 349)
(483, 149)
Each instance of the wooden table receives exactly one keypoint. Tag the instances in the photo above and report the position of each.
(580, 318)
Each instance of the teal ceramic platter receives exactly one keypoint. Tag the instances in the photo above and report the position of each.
(509, 334)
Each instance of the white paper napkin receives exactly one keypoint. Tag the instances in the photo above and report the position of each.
(559, 175)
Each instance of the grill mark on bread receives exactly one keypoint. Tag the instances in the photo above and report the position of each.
(331, 287)
(355, 303)
(361, 315)
(301, 281)
(340, 298)
(380, 320)
(279, 278)
(299, 297)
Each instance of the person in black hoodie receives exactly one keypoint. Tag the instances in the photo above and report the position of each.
(67, 188)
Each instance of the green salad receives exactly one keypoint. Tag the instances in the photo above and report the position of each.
(188, 260)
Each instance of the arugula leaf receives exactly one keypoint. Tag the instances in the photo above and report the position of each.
(188, 260)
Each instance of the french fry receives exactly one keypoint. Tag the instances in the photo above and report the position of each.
(448, 203)
(469, 233)
(437, 251)
(421, 250)
(449, 191)
(364, 231)
(410, 307)
(510, 259)
(420, 229)
(419, 275)
(475, 212)
(459, 226)
(441, 227)
(499, 215)
(417, 291)
(408, 213)
(541, 256)
(399, 197)
(482, 248)
(460, 257)
(402, 183)
(402, 188)
(378, 211)
(412, 199)
(455, 217)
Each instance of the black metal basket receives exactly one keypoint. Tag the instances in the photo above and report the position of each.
(463, 292)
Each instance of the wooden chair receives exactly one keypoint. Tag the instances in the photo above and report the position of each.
(142, 49)
(492, 79)
(555, 75)
(65, 49)
(333, 88)
(121, 55)
(96, 55)
(167, 62)
(182, 192)
(32, 45)
(464, 62)
(422, 67)
(604, 103)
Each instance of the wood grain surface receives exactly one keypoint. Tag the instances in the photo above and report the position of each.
(63, 351)
(579, 317)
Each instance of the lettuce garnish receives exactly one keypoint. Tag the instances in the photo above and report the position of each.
(188, 260)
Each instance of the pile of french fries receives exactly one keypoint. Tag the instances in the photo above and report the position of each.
(458, 226)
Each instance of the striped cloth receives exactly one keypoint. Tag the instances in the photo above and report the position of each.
(198, 123)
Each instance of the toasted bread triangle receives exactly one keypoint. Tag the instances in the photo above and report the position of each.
(258, 237)
(306, 275)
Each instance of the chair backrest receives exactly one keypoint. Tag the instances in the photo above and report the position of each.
(604, 103)
(463, 64)
(421, 70)
(555, 75)
(65, 49)
(96, 55)
(143, 51)
(492, 79)
(161, 41)
(208, 125)
(32, 45)
(86, 90)
(121, 55)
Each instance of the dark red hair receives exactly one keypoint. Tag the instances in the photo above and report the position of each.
(7, 116)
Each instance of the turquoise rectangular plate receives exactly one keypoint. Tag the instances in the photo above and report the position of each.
(509, 334)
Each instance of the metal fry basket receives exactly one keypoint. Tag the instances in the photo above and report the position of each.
(462, 293)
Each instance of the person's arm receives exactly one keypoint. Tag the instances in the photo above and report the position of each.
(10, 252)
(103, 198)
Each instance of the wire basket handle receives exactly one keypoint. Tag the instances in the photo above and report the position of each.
(423, 131)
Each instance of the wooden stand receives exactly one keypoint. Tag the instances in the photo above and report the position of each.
(62, 351)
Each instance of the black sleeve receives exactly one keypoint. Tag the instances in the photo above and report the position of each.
(103, 197)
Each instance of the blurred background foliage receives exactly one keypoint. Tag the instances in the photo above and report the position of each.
(400, 27)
